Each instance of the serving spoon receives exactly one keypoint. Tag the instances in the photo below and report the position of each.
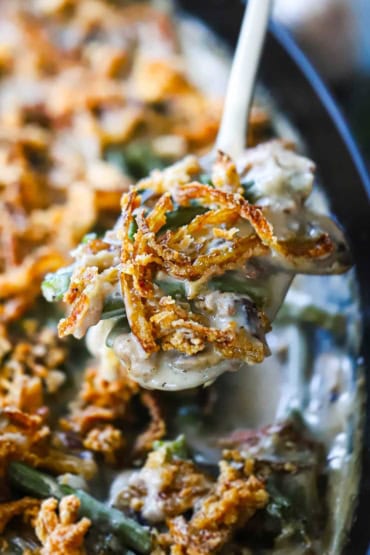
(166, 369)
(239, 93)
(233, 130)
(231, 139)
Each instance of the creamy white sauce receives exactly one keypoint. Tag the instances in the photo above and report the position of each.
(259, 395)
(278, 175)
(152, 480)
(96, 336)
(168, 370)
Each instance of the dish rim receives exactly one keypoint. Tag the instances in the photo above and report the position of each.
(280, 43)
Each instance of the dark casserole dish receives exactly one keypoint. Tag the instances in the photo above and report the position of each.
(302, 94)
(104, 104)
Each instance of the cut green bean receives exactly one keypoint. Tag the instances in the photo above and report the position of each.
(311, 314)
(132, 229)
(42, 485)
(140, 159)
(206, 179)
(175, 448)
(33, 481)
(127, 529)
(172, 288)
(113, 307)
(88, 237)
(182, 216)
(231, 282)
(136, 159)
(248, 192)
(56, 284)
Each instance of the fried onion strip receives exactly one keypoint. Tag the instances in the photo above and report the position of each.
(317, 248)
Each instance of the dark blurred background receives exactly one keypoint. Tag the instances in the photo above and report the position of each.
(335, 35)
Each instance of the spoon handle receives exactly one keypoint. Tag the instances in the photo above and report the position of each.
(233, 129)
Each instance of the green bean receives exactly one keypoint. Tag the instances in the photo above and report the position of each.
(145, 194)
(42, 485)
(248, 192)
(113, 307)
(115, 156)
(182, 216)
(56, 284)
(132, 229)
(311, 314)
(136, 159)
(175, 448)
(141, 159)
(206, 179)
(88, 237)
(231, 282)
(172, 288)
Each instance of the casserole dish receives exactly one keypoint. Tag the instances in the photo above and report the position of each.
(302, 96)
(128, 478)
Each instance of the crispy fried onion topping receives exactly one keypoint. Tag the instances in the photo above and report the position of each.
(25, 437)
(27, 508)
(30, 368)
(237, 495)
(59, 530)
(103, 412)
(164, 488)
(45, 175)
(226, 232)
(225, 237)
(167, 489)
(162, 322)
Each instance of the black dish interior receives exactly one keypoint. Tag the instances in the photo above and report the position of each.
(304, 99)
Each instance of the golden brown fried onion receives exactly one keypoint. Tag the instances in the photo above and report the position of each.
(190, 253)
